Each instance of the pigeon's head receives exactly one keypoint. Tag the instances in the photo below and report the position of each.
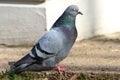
(73, 10)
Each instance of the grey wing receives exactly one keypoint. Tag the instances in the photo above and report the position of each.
(49, 45)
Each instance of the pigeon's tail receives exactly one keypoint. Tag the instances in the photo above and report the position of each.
(22, 64)
(19, 68)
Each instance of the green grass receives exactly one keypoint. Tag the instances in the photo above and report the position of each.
(59, 76)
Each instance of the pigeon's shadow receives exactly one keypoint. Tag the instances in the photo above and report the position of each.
(34, 67)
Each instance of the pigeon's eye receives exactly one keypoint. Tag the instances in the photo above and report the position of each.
(74, 10)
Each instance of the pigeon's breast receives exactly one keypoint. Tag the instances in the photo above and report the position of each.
(70, 33)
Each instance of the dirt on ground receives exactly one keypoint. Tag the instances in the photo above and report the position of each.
(95, 54)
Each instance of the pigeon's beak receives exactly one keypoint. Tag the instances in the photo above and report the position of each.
(80, 13)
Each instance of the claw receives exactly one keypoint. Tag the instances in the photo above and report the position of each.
(61, 69)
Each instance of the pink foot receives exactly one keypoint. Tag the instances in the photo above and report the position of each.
(60, 68)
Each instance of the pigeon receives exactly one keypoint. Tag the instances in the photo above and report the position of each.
(54, 45)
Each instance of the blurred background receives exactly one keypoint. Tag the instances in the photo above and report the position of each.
(23, 22)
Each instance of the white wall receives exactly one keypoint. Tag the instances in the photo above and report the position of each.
(108, 16)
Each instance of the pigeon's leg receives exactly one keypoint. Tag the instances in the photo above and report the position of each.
(60, 68)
